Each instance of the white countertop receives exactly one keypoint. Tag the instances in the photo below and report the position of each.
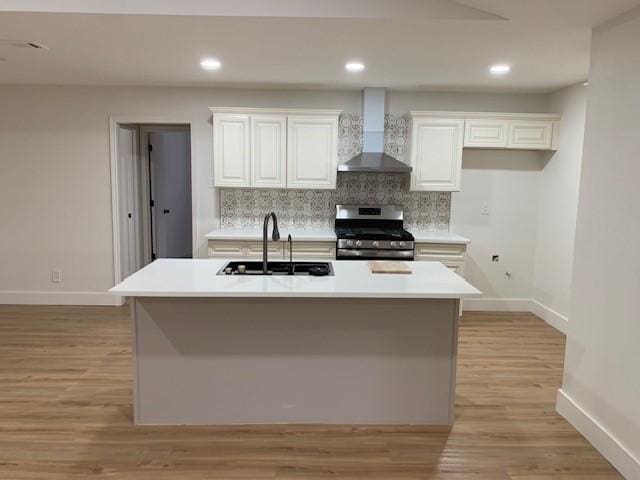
(438, 237)
(318, 235)
(327, 234)
(352, 279)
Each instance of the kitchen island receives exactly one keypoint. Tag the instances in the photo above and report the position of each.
(352, 348)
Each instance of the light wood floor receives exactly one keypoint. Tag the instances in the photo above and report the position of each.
(65, 413)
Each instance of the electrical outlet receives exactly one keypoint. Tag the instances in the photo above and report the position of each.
(56, 276)
(210, 182)
(495, 258)
(485, 209)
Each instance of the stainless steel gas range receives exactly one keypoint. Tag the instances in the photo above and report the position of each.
(366, 232)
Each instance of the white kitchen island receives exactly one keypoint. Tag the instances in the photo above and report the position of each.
(353, 348)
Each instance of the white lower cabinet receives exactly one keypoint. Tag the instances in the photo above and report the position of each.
(279, 250)
(312, 250)
(244, 249)
(452, 255)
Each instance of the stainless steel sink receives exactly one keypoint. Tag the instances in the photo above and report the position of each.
(316, 269)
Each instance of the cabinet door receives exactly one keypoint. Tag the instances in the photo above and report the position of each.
(486, 133)
(268, 151)
(436, 154)
(312, 151)
(232, 154)
(530, 135)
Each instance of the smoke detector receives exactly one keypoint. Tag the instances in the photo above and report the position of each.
(23, 44)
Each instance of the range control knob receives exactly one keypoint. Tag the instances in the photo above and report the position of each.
(375, 243)
(402, 244)
(349, 243)
(358, 243)
(393, 244)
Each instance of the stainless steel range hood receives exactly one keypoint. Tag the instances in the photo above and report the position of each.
(373, 158)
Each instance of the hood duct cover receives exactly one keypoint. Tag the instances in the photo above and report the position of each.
(373, 158)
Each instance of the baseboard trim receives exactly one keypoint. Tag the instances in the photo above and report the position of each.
(606, 443)
(497, 304)
(550, 316)
(553, 318)
(26, 297)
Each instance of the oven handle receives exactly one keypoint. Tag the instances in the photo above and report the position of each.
(374, 253)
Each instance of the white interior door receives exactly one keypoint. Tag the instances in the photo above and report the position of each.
(127, 204)
(170, 171)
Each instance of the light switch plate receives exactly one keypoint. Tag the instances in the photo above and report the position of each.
(56, 276)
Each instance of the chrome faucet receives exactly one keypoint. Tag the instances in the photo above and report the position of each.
(275, 235)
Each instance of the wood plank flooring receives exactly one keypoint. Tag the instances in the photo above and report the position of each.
(65, 413)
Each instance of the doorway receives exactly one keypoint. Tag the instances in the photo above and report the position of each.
(153, 198)
(169, 176)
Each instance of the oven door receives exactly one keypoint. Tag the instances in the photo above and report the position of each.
(373, 254)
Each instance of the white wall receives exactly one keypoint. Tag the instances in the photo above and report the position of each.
(55, 197)
(558, 208)
(509, 182)
(400, 102)
(601, 389)
(55, 189)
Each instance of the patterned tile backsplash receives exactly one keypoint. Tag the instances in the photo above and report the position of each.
(309, 209)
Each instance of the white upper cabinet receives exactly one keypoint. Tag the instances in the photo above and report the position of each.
(274, 148)
(436, 153)
(530, 135)
(312, 151)
(481, 133)
(268, 151)
(231, 150)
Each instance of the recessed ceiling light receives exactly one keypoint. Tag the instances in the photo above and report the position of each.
(500, 69)
(354, 67)
(210, 64)
(586, 84)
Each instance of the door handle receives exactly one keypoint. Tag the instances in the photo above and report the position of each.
(165, 211)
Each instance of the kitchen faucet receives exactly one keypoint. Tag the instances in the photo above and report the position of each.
(275, 235)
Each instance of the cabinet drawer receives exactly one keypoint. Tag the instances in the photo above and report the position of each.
(243, 249)
(302, 249)
(456, 267)
(225, 249)
(253, 249)
(531, 135)
(440, 251)
(486, 133)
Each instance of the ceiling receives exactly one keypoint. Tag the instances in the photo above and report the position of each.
(406, 44)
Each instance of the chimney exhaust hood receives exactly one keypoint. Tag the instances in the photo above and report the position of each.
(373, 158)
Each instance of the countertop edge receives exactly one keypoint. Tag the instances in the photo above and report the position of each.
(311, 295)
